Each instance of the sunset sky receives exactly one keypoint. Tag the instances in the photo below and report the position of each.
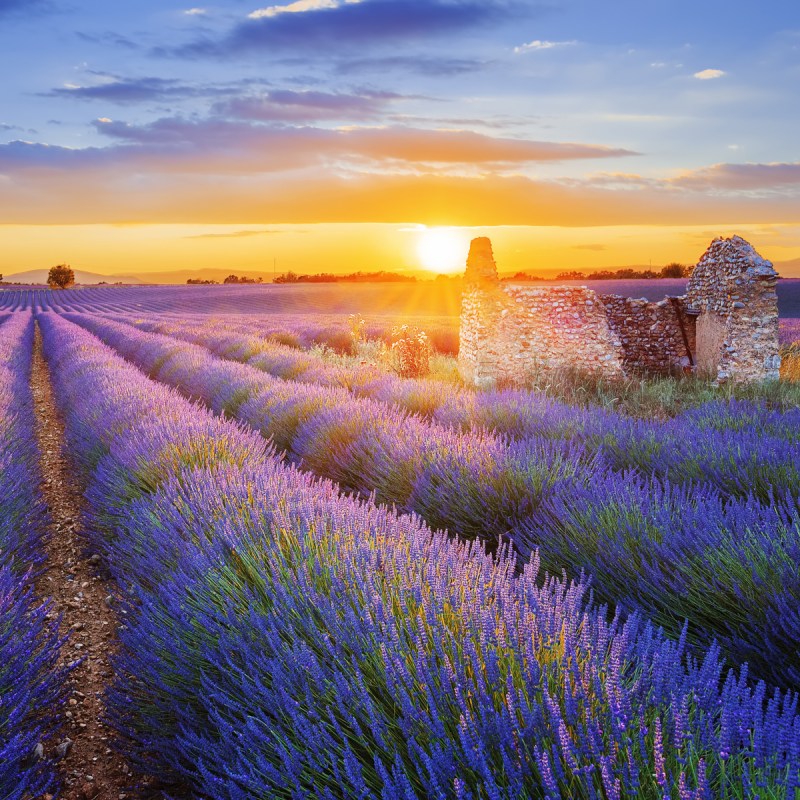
(325, 135)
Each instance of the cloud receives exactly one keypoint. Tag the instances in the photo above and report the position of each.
(313, 26)
(258, 146)
(306, 106)
(618, 181)
(232, 235)
(596, 247)
(422, 65)
(195, 12)
(709, 74)
(297, 7)
(129, 90)
(215, 147)
(110, 38)
(773, 177)
(106, 196)
(538, 44)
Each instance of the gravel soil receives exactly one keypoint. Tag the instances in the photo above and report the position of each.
(74, 580)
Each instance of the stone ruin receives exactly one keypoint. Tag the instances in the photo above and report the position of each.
(724, 327)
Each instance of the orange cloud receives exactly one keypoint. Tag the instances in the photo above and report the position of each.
(324, 197)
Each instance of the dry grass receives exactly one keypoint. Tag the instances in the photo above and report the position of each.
(790, 363)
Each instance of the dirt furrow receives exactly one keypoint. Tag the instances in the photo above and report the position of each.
(81, 595)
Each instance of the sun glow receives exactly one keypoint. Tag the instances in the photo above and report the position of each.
(443, 249)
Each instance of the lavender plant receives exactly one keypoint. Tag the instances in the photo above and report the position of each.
(31, 685)
(284, 641)
(480, 486)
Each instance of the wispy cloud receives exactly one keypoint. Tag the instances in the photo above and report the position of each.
(110, 38)
(315, 26)
(306, 106)
(218, 147)
(269, 147)
(127, 90)
(112, 88)
(297, 7)
(422, 65)
(539, 44)
(195, 12)
(233, 234)
(709, 74)
(774, 176)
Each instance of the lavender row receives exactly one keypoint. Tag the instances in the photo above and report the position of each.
(283, 640)
(362, 444)
(426, 299)
(31, 686)
(515, 413)
(738, 447)
(732, 563)
(741, 448)
(334, 331)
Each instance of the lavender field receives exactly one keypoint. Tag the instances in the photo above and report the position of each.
(336, 582)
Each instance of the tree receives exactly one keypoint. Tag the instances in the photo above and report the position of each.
(676, 270)
(61, 277)
(231, 279)
(570, 275)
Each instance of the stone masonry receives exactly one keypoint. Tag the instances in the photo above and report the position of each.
(733, 288)
(657, 338)
(510, 332)
(726, 326)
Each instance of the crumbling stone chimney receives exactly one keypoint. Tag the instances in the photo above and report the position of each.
(733, 289)
(480, 262)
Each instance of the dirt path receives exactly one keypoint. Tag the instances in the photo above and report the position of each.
(90, 770)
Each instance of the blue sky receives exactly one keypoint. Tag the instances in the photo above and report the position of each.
(560, 114)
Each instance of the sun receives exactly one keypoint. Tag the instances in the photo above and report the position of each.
(442, 249)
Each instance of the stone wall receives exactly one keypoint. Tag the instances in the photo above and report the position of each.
(726, 326)
(509, 332)
(733, 289)
(656, 338)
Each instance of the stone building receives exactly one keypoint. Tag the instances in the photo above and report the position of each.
(725, 326)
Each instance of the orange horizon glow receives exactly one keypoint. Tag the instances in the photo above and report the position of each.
(150, 250)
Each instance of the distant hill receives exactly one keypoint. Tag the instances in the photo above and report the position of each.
(791, 269)
(40, 276)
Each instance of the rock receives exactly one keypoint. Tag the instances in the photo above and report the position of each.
(63, 749)
(38, 751)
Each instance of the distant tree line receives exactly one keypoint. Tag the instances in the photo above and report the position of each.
(243, 279)
(671, 270)
(353, 277)
(229, 279)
